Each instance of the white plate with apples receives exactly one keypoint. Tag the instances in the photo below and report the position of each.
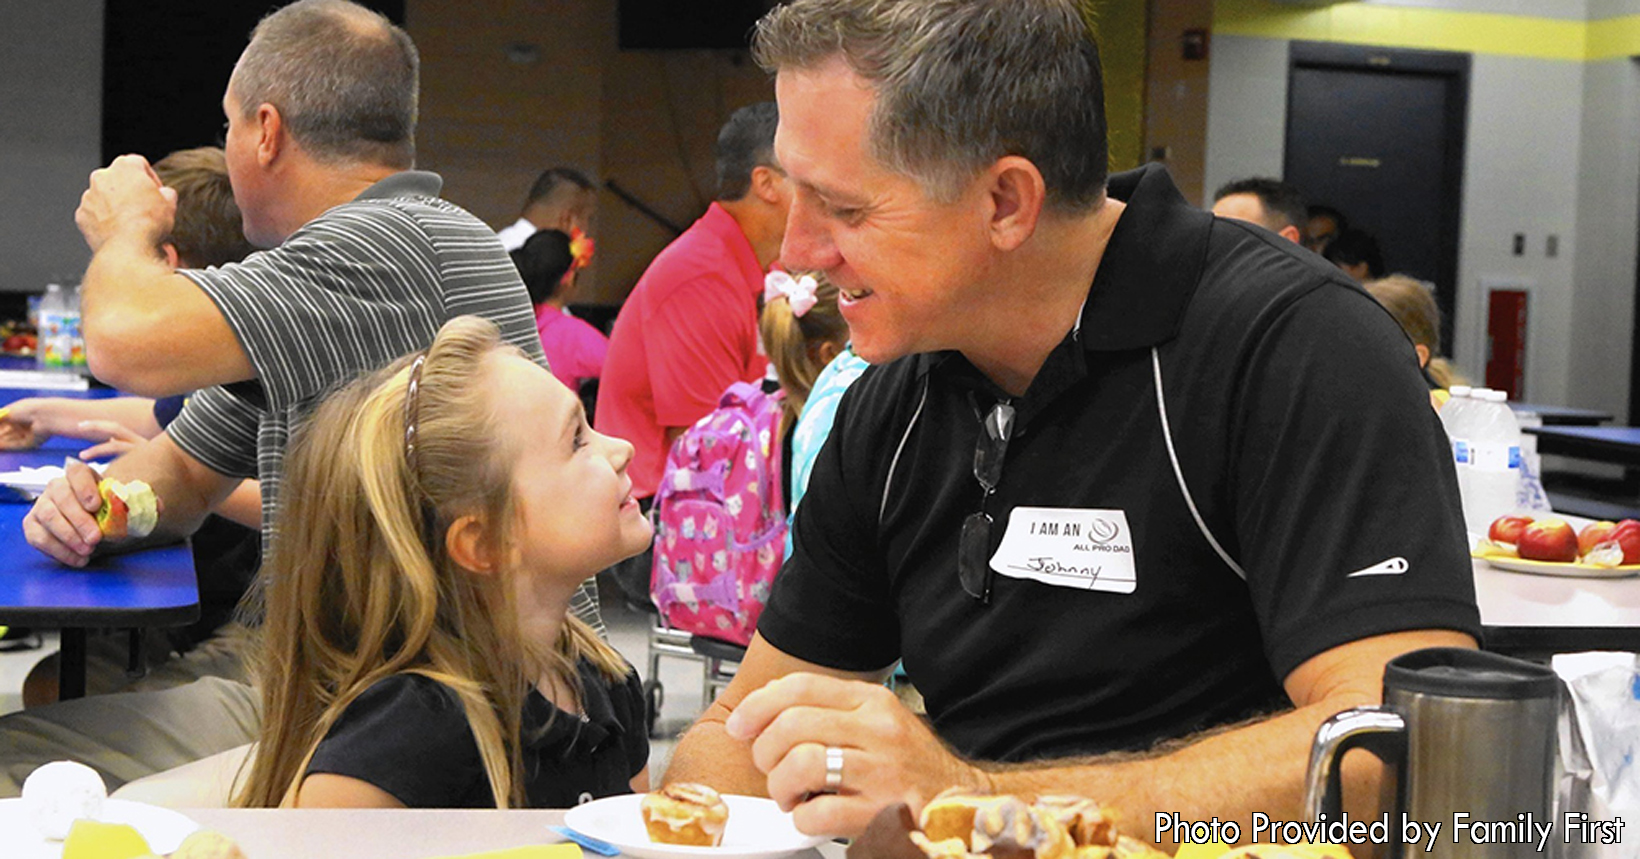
(1552, 547)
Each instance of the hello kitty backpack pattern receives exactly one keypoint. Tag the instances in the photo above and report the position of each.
(720, 520)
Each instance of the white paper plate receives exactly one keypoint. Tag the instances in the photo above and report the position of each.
(30, 482)
(1553, 568)
(757, 829)
(163, 828)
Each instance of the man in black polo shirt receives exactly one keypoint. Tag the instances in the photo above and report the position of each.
(1124, 473)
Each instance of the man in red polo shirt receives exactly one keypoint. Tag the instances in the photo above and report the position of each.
(689, 328)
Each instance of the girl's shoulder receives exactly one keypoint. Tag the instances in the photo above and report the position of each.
(413, 702)
(408, 735)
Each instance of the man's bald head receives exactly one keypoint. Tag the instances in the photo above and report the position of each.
(343, 78)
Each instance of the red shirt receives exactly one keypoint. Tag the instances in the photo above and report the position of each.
(575, 350)
(687, 332)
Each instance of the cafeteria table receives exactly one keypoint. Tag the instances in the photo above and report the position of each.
(393, 834)
(1524, 614)
(1564, 415)
(147, 588)
(1618, 445)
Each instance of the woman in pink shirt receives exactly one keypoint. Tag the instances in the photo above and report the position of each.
(548, 262)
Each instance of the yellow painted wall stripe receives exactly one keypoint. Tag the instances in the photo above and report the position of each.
(1432, 29)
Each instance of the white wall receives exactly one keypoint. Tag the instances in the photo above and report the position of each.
(50, 136)
(1607, 223)
(1246, 110)
(1521, 176)
(1553, 148)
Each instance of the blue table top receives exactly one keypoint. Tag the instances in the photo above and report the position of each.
(1629, 436)
(152, 587)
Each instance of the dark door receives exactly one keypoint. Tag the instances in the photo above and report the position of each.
(1379, 135)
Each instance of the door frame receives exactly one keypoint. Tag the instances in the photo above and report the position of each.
(1452, 65)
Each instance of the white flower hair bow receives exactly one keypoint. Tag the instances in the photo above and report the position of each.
(799, 291)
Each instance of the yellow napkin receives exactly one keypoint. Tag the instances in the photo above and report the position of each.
(534, 851)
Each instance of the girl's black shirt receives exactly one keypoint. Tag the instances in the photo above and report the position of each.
(408, 735)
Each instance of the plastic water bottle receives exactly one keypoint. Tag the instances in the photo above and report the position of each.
(1532, 498)
(73, 338)
(1455, 417)
(50, 350)
(1494, 475)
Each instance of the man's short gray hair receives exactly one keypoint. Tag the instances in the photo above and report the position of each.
(343, 78)
(961, 83)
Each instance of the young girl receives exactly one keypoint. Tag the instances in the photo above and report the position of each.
(802, 331)
(436, 519)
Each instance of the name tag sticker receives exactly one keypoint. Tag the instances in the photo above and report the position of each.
(1069, 548)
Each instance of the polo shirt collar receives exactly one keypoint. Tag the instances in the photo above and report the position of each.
(1149, 272)
(1151, 265)
(568, 733)
(406, 183)
(720, 223)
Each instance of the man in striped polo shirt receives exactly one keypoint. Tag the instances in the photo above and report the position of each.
(365, 264)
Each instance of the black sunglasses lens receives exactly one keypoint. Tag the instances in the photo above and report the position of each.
(973, 556)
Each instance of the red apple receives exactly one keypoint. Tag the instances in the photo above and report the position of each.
(1550, 540)
(1506, 529)
(1593, 534)
(1627, 535)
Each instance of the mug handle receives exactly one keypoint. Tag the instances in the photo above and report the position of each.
(1377, 729)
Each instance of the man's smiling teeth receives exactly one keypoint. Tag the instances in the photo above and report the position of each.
(856, 294)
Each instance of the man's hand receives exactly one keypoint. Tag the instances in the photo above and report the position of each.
(888, 751)
(63, 523)
(126, 200)
(19, 427)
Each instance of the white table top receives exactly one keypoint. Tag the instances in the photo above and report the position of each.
(398, 834)
(1525, 600)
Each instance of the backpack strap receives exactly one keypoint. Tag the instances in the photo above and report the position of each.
(882, 509)
(1178, 473)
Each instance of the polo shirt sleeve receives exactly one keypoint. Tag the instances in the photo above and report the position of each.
(697, 343)
(328, 302)
(1348, 519)
(218, 428)
(831, 603)
(407, 735)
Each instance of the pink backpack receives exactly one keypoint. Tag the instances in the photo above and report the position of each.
(720, 520)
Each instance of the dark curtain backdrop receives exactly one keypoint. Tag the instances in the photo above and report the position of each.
(166, 65)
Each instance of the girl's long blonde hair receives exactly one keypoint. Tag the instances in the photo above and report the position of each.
(793, 342)
(359, 586)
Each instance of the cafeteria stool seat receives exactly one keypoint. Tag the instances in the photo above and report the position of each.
(722, 658)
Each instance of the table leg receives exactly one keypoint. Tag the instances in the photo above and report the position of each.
(71, 665)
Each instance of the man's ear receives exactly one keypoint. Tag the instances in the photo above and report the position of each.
(469, 545)
(1291, 234)
(1423, 354)
(766, 184)
(270, 141)
(169, 251)
(1017, 193)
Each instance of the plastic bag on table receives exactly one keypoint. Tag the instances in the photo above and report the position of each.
(1599, 756)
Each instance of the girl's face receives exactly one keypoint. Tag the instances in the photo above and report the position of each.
(576, 513)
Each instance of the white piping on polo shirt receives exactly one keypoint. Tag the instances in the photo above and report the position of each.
(1178, 473)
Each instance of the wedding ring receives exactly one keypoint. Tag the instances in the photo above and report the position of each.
(834, 768)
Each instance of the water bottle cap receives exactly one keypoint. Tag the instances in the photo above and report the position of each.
(1460, 390)
(1497, 396)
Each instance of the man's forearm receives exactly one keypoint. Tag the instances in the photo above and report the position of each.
(1228, 774)
(187, 490)
(705, 753)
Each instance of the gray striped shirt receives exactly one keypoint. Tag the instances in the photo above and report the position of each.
(349, 292)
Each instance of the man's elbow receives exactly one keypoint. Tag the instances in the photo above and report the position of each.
(119, 355)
